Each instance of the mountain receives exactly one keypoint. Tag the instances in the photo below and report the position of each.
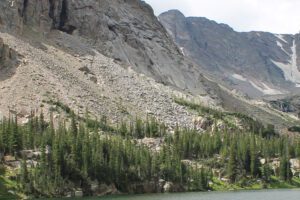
(112, 58)
(126, 31)
(97, 99)
(254, 63)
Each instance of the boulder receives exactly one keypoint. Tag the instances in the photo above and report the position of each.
(68, 194)
(28, 154)
(172, 187)
(275, 164)
(94, 186)
(78, 193)
(37, 154)
(161, 184)
(262, 161)
(295, 167)
(295, 163)
(9, 159)
(168, 187)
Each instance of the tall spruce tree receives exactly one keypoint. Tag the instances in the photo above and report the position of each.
(254, 167)
(232, 163)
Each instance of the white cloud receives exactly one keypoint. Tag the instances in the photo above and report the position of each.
(277, 16)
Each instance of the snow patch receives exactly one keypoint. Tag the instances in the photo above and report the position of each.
(264, 88)
(281, 46)
(182, 51)
(239, 77)
(290, 70)
(280, 37)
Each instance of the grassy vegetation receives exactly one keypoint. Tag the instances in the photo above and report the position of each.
(91, 123)
(251, 184)
(7, 185)
(200, 109)
(278, 184)
(229, 118)
(217, 114)
(58, 104)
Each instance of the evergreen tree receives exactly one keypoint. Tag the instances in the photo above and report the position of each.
(232, 163)
(80, 152)
(24, 177)
(285, 167)
(267, 172)
(254, 158)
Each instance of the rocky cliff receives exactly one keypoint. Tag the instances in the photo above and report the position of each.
(125, 30)
(8, 57)
(112, 57)
(256, 63)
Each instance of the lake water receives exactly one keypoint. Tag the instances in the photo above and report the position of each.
(241, 195)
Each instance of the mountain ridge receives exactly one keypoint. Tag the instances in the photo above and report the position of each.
(97, 57)
(217, 47)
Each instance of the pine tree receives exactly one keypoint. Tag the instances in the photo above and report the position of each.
(267, 172)
(246, 157)
(139, 132)
(15, 140)
(285, 167)
(254, 158)
(232, 164)
(24, 176)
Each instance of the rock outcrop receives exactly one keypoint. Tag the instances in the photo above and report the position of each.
(8, 57)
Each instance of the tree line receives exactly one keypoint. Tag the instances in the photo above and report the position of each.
(80, 150)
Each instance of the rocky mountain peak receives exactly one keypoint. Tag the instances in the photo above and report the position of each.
(174, 13)
(255, 63)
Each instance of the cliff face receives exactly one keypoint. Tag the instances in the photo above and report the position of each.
(8, 60)
(256, 63)
(112, 57)
(125, 30)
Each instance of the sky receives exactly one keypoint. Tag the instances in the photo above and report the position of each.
(276, 16)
